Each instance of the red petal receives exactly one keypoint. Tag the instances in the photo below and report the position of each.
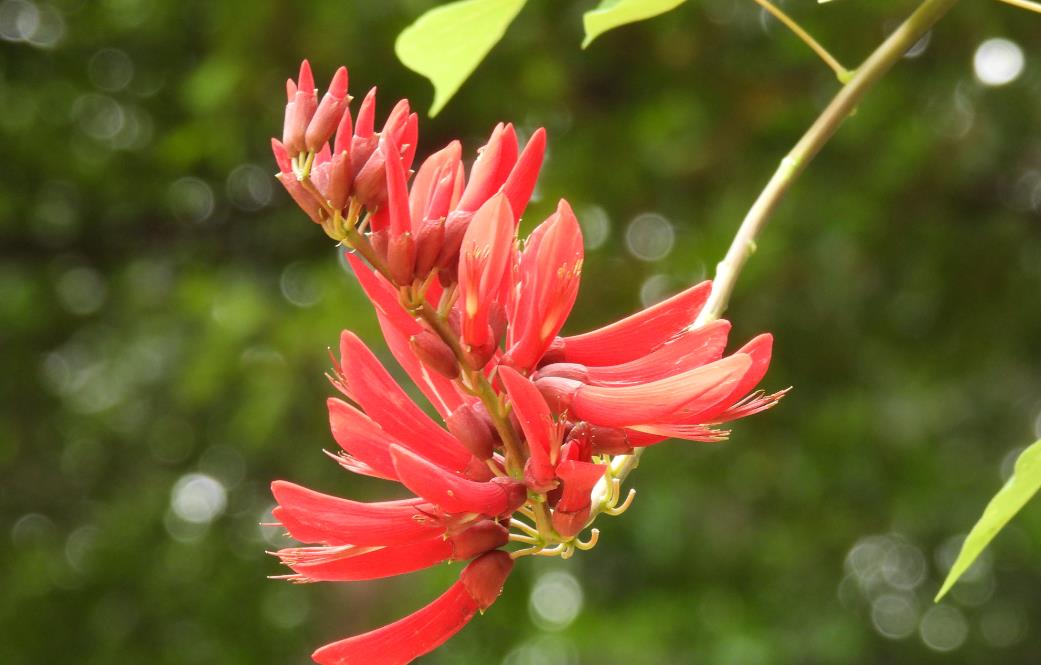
(488, 173)
(285, 164)
(397, 193)
(305, 81)
(365, 125)
(578, 479)
(452, 493)
(534, 416)
(312, 517)
(426, 180)
(639, 334)
(758, 350)
(387, 404)
(691, 349)
(335, 564)
(521, 181)
(484, 256)
(549, 272)
(694, 390)
(425, 630)
(361, 437)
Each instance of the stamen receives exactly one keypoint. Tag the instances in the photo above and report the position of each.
(594, 538)
(524, 526)
(527, 540)
(618, 510)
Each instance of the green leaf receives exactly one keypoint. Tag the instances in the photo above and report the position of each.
(613, 13)
(448, 42)
(1024, 483)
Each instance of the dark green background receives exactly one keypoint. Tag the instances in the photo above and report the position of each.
(165, 310)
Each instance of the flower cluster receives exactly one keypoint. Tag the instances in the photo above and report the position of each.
(531, 419)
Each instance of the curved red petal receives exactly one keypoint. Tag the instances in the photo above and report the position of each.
(638, 334)
(313, 517)
(453, 493)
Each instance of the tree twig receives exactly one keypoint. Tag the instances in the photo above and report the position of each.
(792, 165)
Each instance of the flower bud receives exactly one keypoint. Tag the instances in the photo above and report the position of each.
(472, 431)
(329, 113)
(455, 229)
(379, 241)
(401, 258)
(435, 354)
(481, 537)
(479, 355)
(429, 238)
(301, 106)
(484, 577)
(370, 183)
(340, 179)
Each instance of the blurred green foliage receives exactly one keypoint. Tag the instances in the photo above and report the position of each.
(165, 312)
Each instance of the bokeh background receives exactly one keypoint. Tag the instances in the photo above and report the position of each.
(165, 313)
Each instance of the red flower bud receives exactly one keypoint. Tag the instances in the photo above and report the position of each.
(485, 577)
(435, 354)
(401, 258)
(329, 113)
(429, 238)
(473, 431)
(370, 182)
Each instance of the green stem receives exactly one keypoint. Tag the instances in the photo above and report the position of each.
(794, 163)
(481, 387)
(841, 73)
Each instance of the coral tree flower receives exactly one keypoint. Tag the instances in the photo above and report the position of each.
(527, 420)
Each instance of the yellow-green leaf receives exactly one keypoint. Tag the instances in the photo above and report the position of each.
(613, 13)
(448, 42)
(1024, 483)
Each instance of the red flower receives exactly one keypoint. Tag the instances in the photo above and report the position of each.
(530, 419)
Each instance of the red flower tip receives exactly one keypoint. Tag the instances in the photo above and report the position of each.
(365, 125)
(305, 81)
(329, 113)
(490, 169)
(338, 86)
(282, 158)
(520, 183)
